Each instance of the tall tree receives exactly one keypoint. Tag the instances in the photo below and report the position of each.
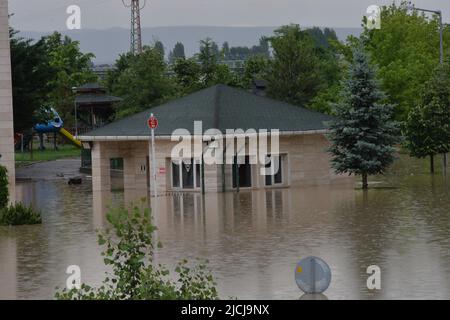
(30, 79)
(406, 49)
(144, 83)
(208, 60)
(294, 74)
(255, 67)
(226, 50)
(71, 68)
(177, 52)
(159, 46)
(427, 128)
(363, 134)
(187, 75)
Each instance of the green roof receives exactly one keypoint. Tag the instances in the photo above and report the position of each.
(220, 107)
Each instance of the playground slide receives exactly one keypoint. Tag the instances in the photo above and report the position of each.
(71, 138)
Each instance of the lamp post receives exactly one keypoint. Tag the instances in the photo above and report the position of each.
(74, 90)
(411, 7)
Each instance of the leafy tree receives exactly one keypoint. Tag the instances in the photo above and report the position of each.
(144, 83)
(294, 74)
(406, 49)
(30, 77)
(226, 50)
(188, 75)
(70, 68)
(129, 251)
(363, 134)
(255, 67)
(122, 63)
(208, 59)
(159, 46)
(427, 128)
(177, 53)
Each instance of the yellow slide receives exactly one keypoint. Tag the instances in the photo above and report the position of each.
(71, 138)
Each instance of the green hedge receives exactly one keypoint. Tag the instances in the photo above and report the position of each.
(19, 214)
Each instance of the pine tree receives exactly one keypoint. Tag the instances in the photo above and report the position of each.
(427, 128)
(363, 134)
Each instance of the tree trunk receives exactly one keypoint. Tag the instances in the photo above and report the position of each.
(432, 163)
(365, 184)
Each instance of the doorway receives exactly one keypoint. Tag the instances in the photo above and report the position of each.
(242, 172)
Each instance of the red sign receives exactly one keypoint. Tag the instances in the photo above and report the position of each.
(162, 170)
(152, 122)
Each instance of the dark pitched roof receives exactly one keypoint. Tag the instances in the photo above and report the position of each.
(94, 99)
(220, 107)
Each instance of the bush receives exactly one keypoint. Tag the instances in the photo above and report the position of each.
(4, 193)
(129, 249)
(19, 214)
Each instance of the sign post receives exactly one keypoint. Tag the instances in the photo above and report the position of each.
(153, 124)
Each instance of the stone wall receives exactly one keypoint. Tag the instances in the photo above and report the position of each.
(6, 113)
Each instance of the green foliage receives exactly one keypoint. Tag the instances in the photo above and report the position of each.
(143, 82)
(30, 79)
(427, 128)
(70, 68)
(244, 53)
(19, 214)
(159, 47)
(177, 52)
(4, 193)
(301, 67)
(122, 63)
(187, 75)
(363, 135)
(208, 58)
(256, 67)
(406, 49)
(129, 249)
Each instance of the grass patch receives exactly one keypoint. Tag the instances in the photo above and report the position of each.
(64, 151)
(19, 214)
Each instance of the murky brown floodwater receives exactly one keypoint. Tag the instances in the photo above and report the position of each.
(252, 239)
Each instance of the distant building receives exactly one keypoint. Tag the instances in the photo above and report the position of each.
(303, 158)
(101, 70)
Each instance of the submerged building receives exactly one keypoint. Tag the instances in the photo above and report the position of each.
(301, 159)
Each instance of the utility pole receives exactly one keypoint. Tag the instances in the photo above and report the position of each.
(135, 33)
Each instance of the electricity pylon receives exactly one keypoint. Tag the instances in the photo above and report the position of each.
(136, 34)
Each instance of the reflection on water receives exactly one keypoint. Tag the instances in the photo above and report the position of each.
(253, 240)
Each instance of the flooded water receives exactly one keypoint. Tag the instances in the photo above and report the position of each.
(253, 240)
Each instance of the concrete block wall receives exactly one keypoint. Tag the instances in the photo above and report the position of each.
(6, 111)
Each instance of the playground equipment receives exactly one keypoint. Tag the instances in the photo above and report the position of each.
(56, 125)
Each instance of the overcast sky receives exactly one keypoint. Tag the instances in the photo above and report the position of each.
(49, 15)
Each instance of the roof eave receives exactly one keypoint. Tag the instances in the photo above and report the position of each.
(169, 137)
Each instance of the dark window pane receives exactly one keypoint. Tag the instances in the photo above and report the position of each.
(197, 175)
(188, 175)
(175, 175)
(278, 175)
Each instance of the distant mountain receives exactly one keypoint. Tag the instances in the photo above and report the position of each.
(109, 43)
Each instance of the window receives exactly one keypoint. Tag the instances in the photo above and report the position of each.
(186, 174)
(175, 175)
(242, 172)
(277, 178)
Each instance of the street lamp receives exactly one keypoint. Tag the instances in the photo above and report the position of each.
(410, 6)
(74, 90)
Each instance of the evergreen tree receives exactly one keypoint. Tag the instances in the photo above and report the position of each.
(428, 125)
(177, 52)
(363, 134)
